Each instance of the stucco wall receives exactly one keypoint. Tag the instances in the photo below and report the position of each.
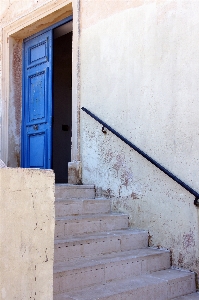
(140, 74)
(26, 233)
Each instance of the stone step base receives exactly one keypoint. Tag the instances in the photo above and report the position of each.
(161, 285)
(84, 224)
(98, 257)
(193, 296)
(81, 206)
(99, 243)
(105, 268)
(69, 191)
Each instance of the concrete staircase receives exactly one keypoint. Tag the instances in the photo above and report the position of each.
(98, 257)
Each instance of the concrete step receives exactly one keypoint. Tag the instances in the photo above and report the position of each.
(99, 243)
(98, 257)
(193, 296)
(81, 206)
(161, 285)
(76, 225)
(103, 269)
(69, 191)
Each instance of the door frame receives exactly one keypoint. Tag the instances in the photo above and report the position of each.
(49, 141)
(13, 35)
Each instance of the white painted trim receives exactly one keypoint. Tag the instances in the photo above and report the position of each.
(75, 153)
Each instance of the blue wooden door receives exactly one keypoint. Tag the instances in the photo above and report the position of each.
(37, 102)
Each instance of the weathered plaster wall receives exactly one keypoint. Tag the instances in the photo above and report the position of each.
(12, 10)
(140, 74)
(15, 103)
(26, 234)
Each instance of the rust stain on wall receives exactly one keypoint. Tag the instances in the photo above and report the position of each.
(134, 196)
(180, 259)
(108, 193)
(188, 240)
(109, 156)
(119, 165)
(119, 162)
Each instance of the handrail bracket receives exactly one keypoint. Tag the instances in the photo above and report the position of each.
(196, 202)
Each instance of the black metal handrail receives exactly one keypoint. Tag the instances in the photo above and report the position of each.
(155, 163)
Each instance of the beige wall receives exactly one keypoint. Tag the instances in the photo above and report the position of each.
(140, 74)
(26, 233)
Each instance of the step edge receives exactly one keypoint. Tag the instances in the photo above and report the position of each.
(102, 261)
(85, 216)
(72, 186)
(121, 282)
(111, 233)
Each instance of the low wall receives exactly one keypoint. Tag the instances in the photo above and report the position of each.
(26, 233)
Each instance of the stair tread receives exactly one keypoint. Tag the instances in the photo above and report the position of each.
(92, 245)
(107, 258)
(72, 186)
(115, 289)
(70, 191)
(118, 271)
(192, 296)
(90, 216)
(92, 236)
(72, 200)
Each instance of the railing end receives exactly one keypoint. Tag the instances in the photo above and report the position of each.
(196, 202)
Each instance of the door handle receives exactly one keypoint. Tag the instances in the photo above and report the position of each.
(35, 127)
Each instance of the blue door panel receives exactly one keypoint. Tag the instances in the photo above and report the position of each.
(37, 97)
(37, 102)
(39, 52)
(37, 150)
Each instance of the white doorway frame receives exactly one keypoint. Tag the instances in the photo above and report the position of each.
(15, 32)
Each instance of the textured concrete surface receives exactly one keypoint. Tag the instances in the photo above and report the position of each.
(27, 234)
